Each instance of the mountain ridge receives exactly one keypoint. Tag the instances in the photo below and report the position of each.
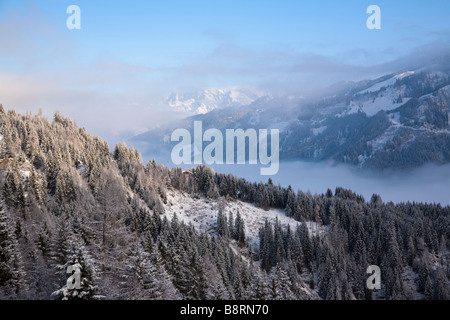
(400, 120)
(207, 100)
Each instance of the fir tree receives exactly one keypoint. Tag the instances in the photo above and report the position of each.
(78, 258)
(11, 269)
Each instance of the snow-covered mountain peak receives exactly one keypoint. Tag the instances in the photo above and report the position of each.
(206, 100)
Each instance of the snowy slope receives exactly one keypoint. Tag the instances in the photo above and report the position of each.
(383, 95)
(372, 107)
(376, 87)
(202, 213)
(387, 83)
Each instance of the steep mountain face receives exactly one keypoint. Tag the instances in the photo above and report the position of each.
(397, 121)
(265, 112)
(147, 232)
(204, 101)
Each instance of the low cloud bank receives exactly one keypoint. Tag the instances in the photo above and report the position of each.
(430, 183)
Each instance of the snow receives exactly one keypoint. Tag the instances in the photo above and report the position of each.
(254, 119)
(381, 103)
(395, 118)
(384, 100)
(202, 213)
(352, 108)
(381, 141)
(1, 137)
(404, 75)
(206, 100)
(25, 173)
(421, 112)
(386, 83)
(25, 169)
(317, 131)
(377, 86)
(372, 106)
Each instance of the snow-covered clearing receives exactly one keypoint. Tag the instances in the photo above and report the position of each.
(202, 213)
(372, 106)
(386, 83)
(377, 86)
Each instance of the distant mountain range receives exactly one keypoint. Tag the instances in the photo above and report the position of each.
(207, 100)
(400, 120)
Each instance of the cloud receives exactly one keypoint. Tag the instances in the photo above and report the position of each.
(29, 38)
(288, 70)
(43, 66)
(429, 183)
(116, 99)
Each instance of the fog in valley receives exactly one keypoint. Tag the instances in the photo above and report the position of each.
(429, 183)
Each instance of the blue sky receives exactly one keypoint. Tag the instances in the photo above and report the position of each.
(129, 54)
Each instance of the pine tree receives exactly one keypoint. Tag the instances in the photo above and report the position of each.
(199, 282)
(52, 167)
(61, 246)
(44, 239)
(164, 280)
(265, 246)
(260, 287)
(65, 192)
(79, 258)
(158, 208)
(306, 245)
(11, 269)
(144, 270)
(280, 284)
(180, 270)
(38, 185)
(231, 226)
(442, 286)
(297, 253)
(222, 225)
(428, 289)
(11, 188)
(239, 229)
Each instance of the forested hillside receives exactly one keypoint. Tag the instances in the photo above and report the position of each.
(66, 199)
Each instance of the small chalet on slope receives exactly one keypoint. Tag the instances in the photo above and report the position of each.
(187, 173)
